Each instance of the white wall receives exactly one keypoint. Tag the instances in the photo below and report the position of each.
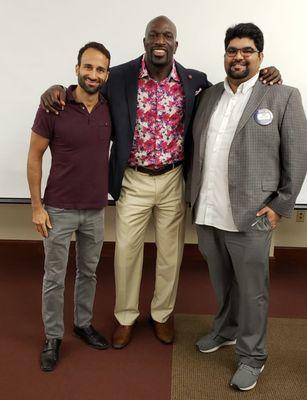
(40, 40)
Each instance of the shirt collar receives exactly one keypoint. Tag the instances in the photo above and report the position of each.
(244, 87)
(70, 97)
(145, 74)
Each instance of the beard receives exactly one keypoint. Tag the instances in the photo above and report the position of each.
(238, 74)
(159, 63)
(156, 61)
(89, 89)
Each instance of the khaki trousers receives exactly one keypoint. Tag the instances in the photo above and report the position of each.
(141, 196)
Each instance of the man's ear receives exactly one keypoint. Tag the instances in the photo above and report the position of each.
(77, 69)
(176, 46)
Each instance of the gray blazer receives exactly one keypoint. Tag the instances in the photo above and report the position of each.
(267, 163)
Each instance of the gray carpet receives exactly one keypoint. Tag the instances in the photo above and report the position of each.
(197, 376)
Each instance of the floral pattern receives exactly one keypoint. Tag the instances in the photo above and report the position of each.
(159, 131)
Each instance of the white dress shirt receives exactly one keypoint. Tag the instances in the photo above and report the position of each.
(213, 205)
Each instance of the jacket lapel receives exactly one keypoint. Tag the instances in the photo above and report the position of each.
(131, 76)
(189, 95)
(206, 109)
(255, 99)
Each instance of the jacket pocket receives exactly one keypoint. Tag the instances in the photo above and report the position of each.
(269, 186)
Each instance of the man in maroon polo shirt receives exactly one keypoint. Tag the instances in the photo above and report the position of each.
(74, 199)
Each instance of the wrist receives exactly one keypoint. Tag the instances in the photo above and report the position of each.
(37, 206)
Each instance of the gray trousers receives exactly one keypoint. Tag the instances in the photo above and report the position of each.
(238, 265)
(88, 228)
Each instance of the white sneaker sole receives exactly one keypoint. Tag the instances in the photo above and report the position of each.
(249, 387)
(227, 343)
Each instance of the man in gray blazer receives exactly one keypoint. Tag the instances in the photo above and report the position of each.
(250, 160)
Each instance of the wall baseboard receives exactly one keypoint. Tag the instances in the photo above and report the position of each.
(291, 255)
(34, 248)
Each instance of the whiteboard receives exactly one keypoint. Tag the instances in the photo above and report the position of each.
(40, 40)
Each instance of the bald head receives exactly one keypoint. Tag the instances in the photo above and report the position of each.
(160, 46)
(161, 19)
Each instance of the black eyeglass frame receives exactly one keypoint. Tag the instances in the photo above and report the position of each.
(245, 51)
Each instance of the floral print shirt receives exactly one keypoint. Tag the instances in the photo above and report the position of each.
(158, 135)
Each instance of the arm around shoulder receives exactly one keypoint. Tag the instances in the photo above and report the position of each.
(53, 99)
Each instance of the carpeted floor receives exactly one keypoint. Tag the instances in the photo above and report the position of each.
(143, 370)
(198, 376)
(140, 371)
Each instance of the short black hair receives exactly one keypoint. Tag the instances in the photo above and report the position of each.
(94, 45)
(245, 30)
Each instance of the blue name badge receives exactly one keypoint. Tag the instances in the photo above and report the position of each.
(263, 116)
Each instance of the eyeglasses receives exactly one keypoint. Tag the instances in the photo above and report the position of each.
(245, 51)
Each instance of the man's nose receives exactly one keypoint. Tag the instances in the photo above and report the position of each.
(93, 74)
(239, 56)
(160, 38)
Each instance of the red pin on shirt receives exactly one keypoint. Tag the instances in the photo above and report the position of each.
(190, 76)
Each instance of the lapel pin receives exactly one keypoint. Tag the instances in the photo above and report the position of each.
(190, 76)
(263, 116)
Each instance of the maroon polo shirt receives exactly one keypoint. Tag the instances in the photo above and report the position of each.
(79, 146)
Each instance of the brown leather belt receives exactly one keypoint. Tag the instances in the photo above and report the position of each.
(157, 171)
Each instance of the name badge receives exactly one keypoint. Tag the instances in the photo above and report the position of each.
(263, 116)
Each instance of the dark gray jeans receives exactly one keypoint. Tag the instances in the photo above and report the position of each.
(88, 228)
(238, 265)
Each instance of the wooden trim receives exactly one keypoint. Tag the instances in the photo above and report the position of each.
(296, 255)
(290, 255)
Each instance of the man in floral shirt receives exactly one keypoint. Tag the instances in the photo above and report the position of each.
(151, 101)
(158, 134)
(162, 96)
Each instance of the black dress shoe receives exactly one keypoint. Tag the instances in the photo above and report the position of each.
(91, 337)
(50, 354)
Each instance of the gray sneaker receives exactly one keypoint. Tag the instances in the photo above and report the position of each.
(245, 378)
(211, 342)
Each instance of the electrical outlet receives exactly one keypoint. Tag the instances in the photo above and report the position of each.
(300, 216)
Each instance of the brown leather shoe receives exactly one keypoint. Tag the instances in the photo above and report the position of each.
(122, 336)
(164, 331)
